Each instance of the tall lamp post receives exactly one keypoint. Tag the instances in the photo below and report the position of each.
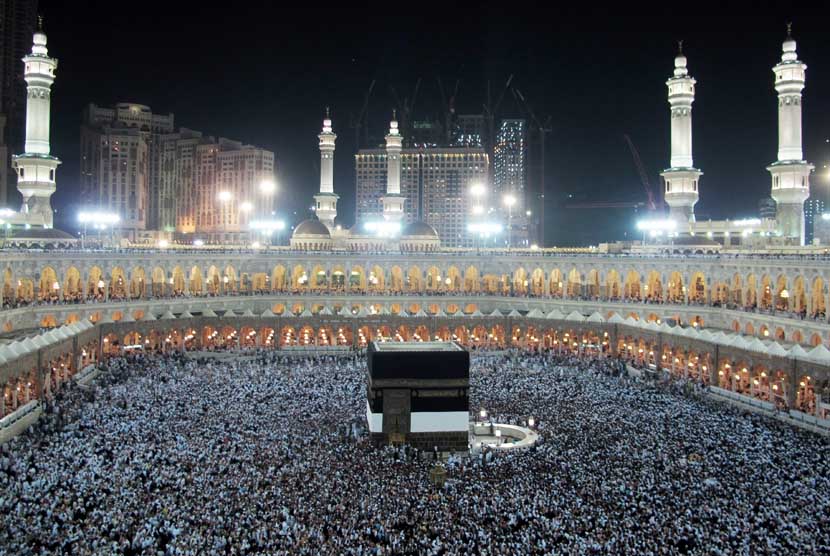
(478, 191)
(98, 219)
(267, 189)
(509, 201)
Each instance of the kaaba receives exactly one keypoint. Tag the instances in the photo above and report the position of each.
(418, 394)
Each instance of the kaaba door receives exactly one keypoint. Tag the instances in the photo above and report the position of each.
(396, 414)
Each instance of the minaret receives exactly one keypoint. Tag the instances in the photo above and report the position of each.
(326, 200)
(681, 177)
(790, 173)
(393, 201)
(36, 167)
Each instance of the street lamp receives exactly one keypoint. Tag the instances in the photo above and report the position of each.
(267, 187)
(98, 219)
(509, 201)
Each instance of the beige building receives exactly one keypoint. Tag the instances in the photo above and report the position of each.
(121, 165)
(216, 185)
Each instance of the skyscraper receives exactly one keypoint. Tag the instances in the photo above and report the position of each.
(18, 20)
(135, 189)
(448, 176)
(215, 183)
(813, 209)
(468, 131)
(510, 176)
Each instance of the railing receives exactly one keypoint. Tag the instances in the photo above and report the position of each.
(18, 414)
(794, 417)
(19, 420)
(86, 374)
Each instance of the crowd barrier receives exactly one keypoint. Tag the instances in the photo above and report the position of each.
(19, 420)
(793, 417)
(86, 375)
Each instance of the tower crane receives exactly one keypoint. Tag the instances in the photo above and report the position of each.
(652, 199)
(543, 129)
(361, 123)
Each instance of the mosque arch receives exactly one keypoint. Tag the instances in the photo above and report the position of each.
(537, 282)
(697, 288)
(318, 279)
(396, 279)
(633, 286)
(230, 279)
(48, 287)
(196, 285)
(118, 284)
(414, 280)
(377, 279)
(471, 280)
(574, 283)
(613, 285)
(138, 283)
(676, 292)
(278, 280)
(818, 293)
(72, 289)
(453, 281)
(592, 284)
(653, 289)
(357, 278)
(213, 281)
(556, 283)
(520, 281)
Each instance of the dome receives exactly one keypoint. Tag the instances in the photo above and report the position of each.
(419, 229)
(41, 234)
(311, 227)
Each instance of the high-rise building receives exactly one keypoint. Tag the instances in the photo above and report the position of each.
(468, 131)
(448, 176)
(151, 205)
(114, 174)
(510, 178)
(813, 209)
(435, 183)
(18, 20)
(216, 184)
(178, 174)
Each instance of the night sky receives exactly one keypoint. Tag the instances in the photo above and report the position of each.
(263, 73)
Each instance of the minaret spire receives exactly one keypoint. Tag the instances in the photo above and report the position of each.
(326, 200)
(790, 173)
(393, 202)
(681, 178)
(36, 167)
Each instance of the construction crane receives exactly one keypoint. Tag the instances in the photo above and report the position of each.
(361, 123)
(405, 110)
(652, 203)
(490, 112)
(449, 108)
(543, 129)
